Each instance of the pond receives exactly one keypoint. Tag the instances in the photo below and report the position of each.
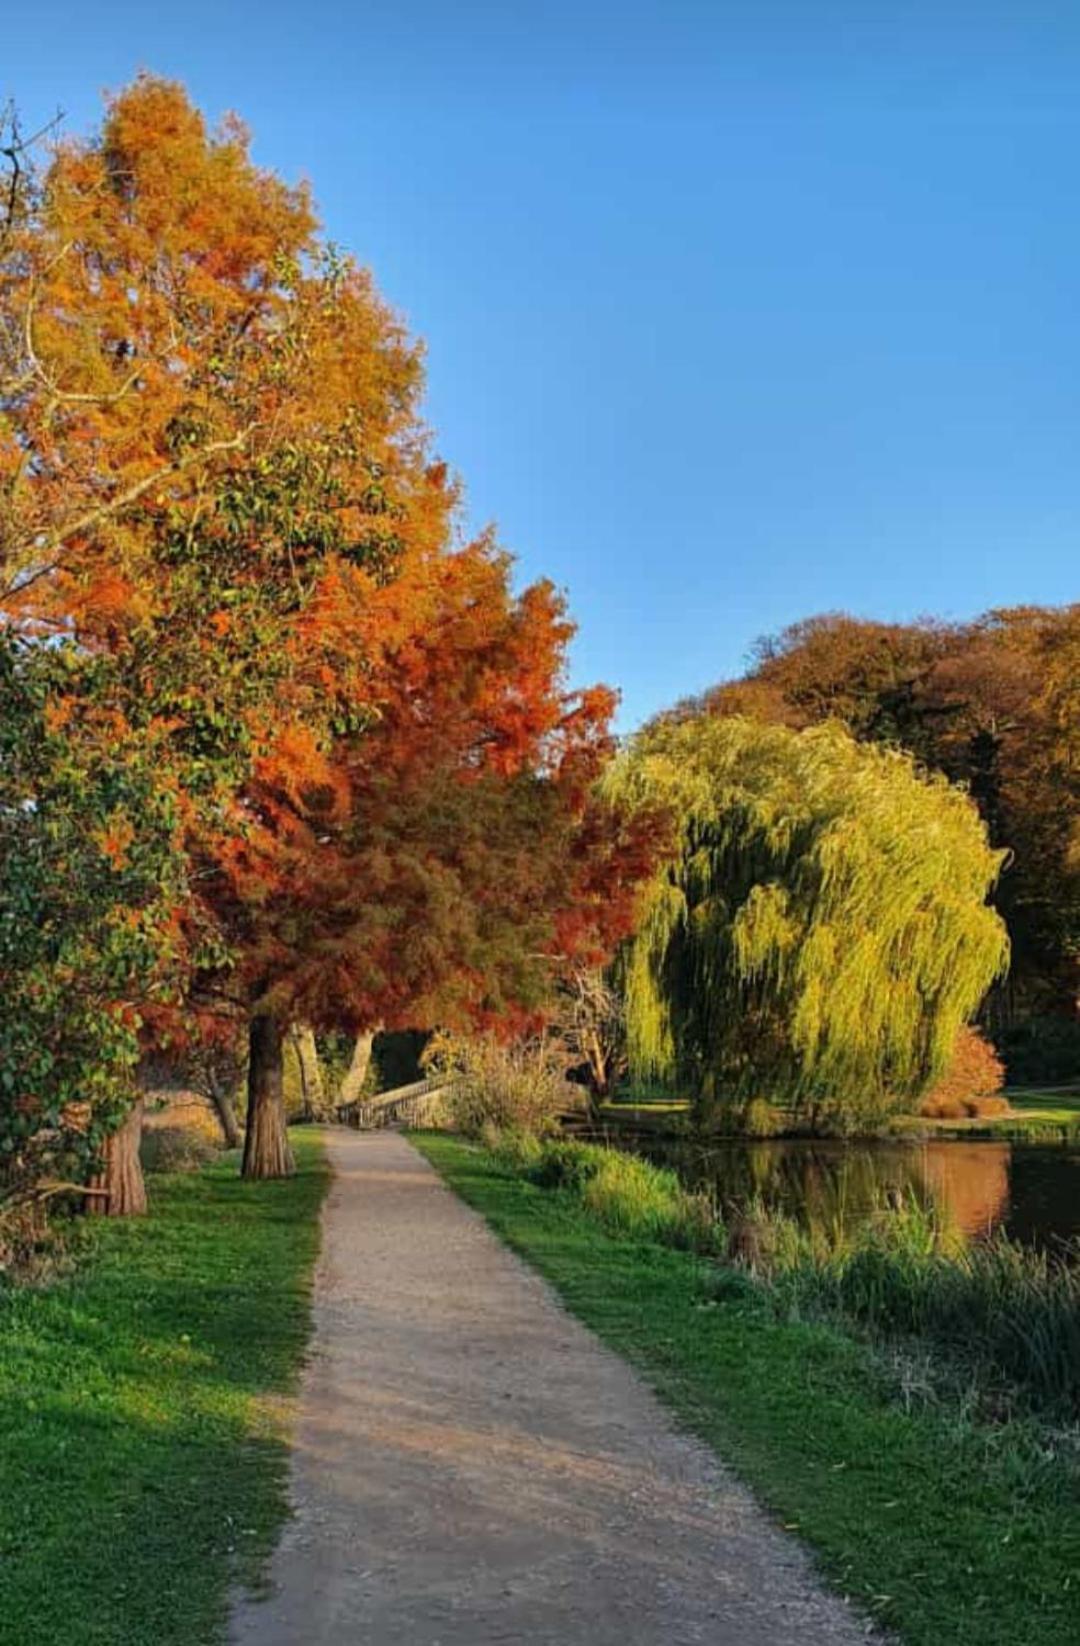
(1030, 1191)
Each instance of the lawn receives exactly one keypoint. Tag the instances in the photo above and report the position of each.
(951, 1532)
(142, 1458)
(1046, 1103)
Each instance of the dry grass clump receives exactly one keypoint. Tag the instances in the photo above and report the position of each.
(517, 1086)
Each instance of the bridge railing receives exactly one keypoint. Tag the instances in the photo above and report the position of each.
(418, 1104)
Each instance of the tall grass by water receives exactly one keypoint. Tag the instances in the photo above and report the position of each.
(1009, 1311)
(1006, 1313)
(629, 1195)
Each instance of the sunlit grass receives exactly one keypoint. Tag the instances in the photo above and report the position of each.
(946, 1529)
(142, 1464)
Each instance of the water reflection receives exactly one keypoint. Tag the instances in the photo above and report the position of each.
(1032, 1192)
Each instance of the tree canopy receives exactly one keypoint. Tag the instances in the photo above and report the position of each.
(822, 931)
(217, 484)
(992, 704)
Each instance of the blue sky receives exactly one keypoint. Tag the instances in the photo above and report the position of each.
(736, 310)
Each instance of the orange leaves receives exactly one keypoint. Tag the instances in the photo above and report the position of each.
(115, 838)
(58, 712)
(384, 787)
(300, 771)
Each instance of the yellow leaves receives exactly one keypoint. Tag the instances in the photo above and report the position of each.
(825, 889)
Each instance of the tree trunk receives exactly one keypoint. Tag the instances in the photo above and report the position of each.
(266, 1144)
(223, 1106)
(311, 1080)
(121, 1173)
(353, 1083)
(598, 1071)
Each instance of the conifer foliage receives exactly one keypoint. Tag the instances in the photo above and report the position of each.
(215, 483)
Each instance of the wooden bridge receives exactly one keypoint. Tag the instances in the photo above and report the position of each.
(415, 1105)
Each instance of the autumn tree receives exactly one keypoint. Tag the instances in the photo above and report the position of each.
(455, 856)
(821, 933)
(216, 477)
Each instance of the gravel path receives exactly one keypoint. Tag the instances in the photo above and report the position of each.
(471, 1467)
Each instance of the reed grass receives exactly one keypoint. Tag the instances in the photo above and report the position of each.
(1007, 1312)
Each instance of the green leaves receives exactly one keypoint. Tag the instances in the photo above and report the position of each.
(822, 932)
(89, 875)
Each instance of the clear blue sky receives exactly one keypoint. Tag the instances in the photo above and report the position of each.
(736, 310)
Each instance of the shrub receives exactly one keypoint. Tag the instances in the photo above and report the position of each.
(971, 1084)
(176, 1149)
(629, 1195)
(517, 1086)
(517, 1150)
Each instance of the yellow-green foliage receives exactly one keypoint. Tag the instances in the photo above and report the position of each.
(823, 931)
(626, 1193)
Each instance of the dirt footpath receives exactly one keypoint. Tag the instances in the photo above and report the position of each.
(472, 1467)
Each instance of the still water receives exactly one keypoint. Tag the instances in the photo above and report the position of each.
(1032, 1192)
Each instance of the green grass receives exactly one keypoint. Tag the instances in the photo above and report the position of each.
(630, 1195)
(1047, 1103)
(1040, 1115)
(142, 1462)
(954, 1533)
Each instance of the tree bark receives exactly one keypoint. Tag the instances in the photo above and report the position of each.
(121, 1174)
(353, 1083)
(311, 1080)
(266, 1143)
(594, 1052)
(223, 1107)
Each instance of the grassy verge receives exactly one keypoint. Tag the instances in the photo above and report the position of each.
(1042, 1115)
(955, 1533)
(142, 1463)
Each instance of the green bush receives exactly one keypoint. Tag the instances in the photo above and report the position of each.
(629, 1195)
(517, 1150)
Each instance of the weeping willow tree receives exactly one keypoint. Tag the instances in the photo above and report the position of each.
(821, 932)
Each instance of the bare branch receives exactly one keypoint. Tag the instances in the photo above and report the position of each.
(112, 507)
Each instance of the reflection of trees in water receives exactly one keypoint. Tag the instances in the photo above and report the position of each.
(968, 1182)
(830, 1186)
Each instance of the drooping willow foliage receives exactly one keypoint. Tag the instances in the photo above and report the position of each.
(822, 931)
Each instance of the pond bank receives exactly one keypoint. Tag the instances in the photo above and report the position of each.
(946, 1529)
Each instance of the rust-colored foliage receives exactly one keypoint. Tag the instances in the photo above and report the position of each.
(215, 479)
(971, 1085)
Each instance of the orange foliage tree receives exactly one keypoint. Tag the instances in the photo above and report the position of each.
(216, 480)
